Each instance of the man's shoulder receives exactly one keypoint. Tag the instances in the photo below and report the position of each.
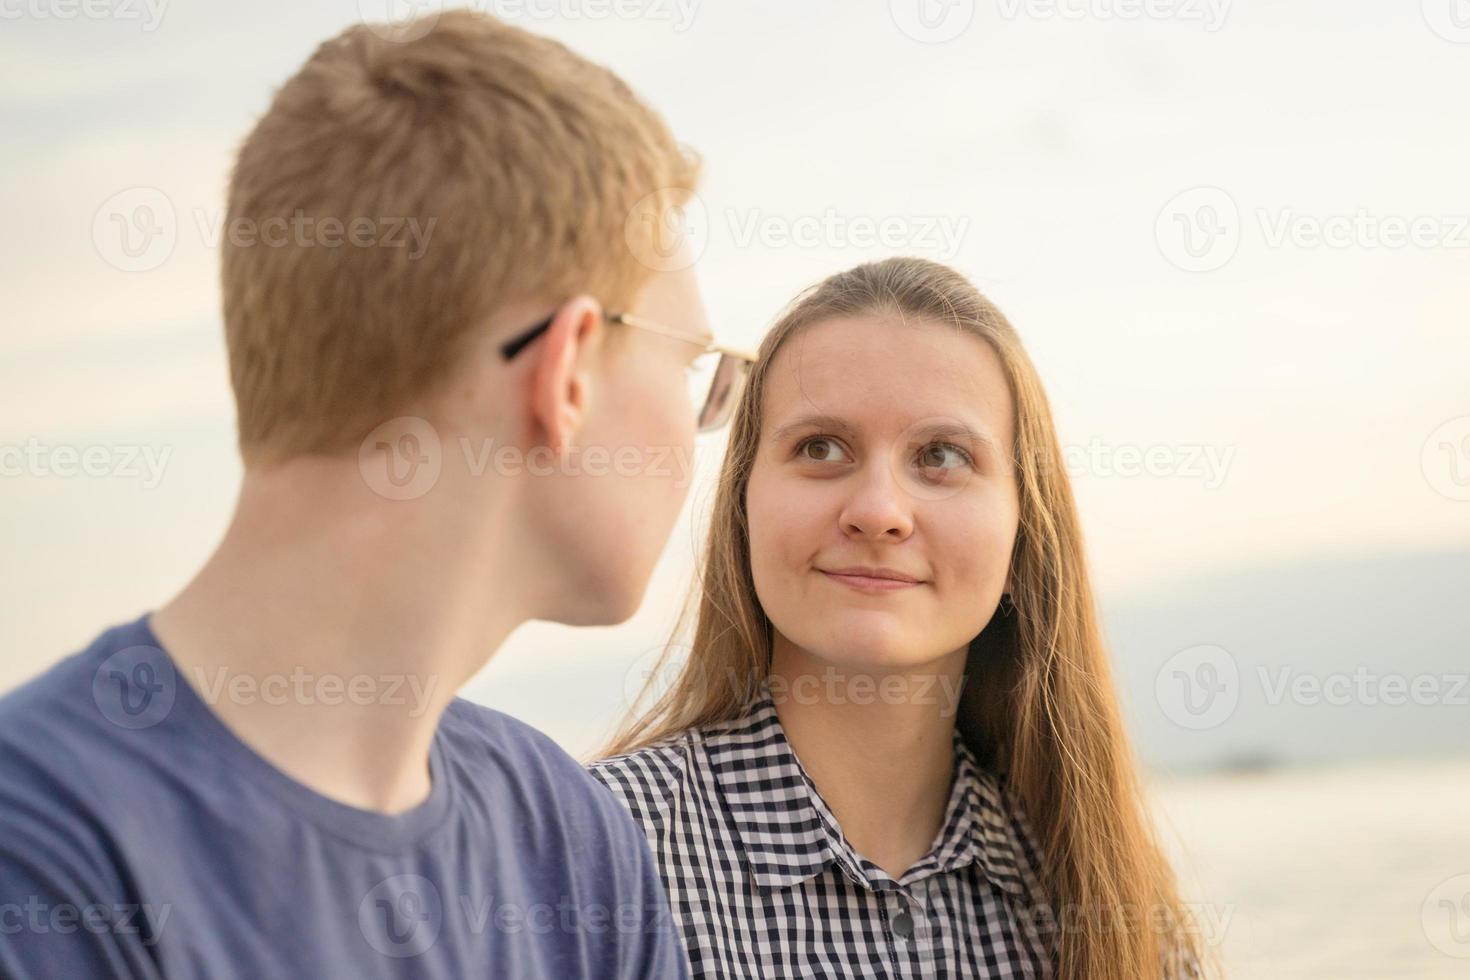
(483, 735)
(64, 712)
(61, 763)
(499, 750)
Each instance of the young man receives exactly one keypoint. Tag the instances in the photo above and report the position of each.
(270, 775)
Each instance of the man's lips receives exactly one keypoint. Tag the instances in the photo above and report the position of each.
(868, 579)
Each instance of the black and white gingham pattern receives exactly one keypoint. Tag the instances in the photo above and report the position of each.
(763, 884)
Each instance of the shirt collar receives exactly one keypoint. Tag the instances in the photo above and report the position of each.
(789, 834)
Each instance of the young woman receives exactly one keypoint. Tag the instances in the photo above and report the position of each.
(894, 748)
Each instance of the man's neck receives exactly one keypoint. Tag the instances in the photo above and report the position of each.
(330, 634)
(883, 764)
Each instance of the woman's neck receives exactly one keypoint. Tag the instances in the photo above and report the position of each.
(878, 744)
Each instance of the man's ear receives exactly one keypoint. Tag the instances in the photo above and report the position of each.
(559, 378)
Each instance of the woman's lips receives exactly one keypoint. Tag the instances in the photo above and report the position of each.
(870, 582)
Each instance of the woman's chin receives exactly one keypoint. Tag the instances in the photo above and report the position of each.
(872, 644)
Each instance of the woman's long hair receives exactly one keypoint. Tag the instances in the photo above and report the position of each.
(1038, 701)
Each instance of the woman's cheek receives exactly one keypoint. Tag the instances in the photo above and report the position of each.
(974, 541)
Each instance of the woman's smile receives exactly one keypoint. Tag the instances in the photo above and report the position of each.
(874, 581)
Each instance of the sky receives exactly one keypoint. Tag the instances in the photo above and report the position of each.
(1235, 237)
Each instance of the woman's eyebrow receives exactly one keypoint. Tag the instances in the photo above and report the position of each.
(954, 429)
(827, 423)
(948, 429)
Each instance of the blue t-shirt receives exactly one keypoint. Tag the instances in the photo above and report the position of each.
(140, 838)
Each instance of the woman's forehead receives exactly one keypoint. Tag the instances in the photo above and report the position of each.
(873, 370)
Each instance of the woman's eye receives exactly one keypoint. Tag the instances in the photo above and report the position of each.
(943, 456)
(820, 449)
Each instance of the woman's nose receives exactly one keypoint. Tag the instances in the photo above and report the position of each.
(878, 507)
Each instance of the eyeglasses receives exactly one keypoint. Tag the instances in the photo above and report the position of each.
(715, 377)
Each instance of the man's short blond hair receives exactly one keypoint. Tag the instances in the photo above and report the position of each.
(517, 166)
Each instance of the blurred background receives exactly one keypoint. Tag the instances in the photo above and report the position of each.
(1235, 235)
